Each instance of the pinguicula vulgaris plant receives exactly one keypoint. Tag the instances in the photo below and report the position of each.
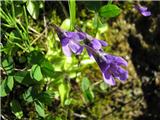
(110, 65)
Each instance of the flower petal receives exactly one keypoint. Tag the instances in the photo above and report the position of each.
(102, 63)
(121, 74)
(108, 78)
(75, 47)
(103, 43)
(79, 51)
(96, 44)
(121, 61)
(146, 13)
(81, 35)
(66, 51)
(142, 8)
(65, 41)
(76, 36)
(109, 58)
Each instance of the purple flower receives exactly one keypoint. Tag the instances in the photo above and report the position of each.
(70, 41)
(143, 10)
(110, 66)
(97, 44)
(94, 43)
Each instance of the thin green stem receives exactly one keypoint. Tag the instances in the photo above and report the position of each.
(72, 12)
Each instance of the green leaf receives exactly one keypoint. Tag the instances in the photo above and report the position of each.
(30, 94)
(39, 108)
(10, 82)
(64, 92)
(6, 86)
(89, 96)
(85, 84)
(36, 72)
(3, 89)
(109, 11)
(66, 24)
(16, 109)
(35, 54)
(45, 97)
(19, 76)
(86, 89)
(47, 68)
(23, 77)
(33, 8)
(7, 65)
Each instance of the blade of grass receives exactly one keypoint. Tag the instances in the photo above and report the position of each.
(25, 16)
(13, 10)
(5, 17)
(20, 46)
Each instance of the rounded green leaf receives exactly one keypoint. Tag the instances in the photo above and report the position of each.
(87, 90)
(63, 92)
(30, 94)
(10, 82)
(47, 68)
(19, 76)
(36, 72)
(7, 65)
(46, 97)
(109, 11)
(85, 84)
(6, 86)
(39, 108)
(33, 9)
(66, 24)
(24, 77)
